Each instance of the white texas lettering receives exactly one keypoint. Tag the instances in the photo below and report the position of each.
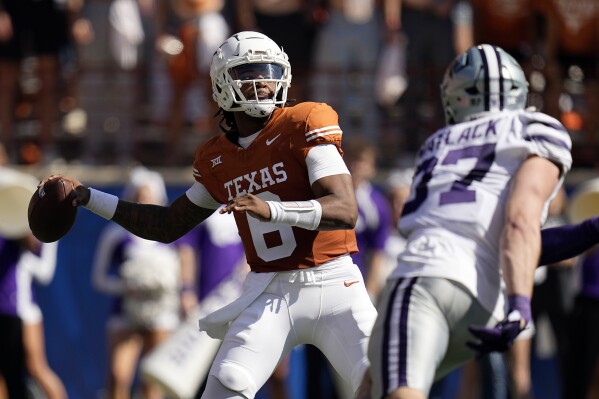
(256, 180)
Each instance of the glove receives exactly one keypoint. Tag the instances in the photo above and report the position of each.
(501, 337)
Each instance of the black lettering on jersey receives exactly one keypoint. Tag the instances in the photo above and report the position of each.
(445, 137)
(476, 132)
(465, 136)
(491, 128)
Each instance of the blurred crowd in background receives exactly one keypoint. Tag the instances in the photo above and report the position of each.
(100, 83)
(114, 82)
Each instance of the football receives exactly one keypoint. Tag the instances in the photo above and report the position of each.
(51, 212)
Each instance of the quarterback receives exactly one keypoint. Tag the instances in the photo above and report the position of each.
(280, 171)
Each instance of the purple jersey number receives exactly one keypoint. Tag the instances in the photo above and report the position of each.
(459, 192)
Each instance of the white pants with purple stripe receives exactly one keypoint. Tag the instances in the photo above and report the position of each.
(421, 332)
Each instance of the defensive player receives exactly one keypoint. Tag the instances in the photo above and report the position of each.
(479, 196)
(280, 171)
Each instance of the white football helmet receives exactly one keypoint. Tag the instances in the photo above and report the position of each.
(250, 58)
(483, 79)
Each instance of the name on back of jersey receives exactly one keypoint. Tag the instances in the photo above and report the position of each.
(452, 136)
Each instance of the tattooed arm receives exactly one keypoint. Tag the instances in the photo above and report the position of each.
(152, 222)
(160, 223)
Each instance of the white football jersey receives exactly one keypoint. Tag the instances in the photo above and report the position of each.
(455, 213)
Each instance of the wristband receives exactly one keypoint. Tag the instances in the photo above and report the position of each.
(187, 287)
(304, 214)
(101, 203)
(520, 303)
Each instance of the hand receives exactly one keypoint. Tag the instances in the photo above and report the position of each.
(82, 192)
(499, 338)
(251, 204)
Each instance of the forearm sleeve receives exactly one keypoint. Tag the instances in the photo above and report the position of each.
(568, 241)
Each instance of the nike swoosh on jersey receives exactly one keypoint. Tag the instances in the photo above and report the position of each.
(350, 283)
(270, 141)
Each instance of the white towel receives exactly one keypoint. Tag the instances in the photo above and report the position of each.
(216, 323)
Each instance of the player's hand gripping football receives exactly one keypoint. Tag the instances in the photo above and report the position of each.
(251, 204)
(501, 337)
(82, 192)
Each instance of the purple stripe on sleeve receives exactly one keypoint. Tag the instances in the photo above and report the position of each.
(538, 137)
(556, 126)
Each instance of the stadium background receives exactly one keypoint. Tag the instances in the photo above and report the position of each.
(75, 314)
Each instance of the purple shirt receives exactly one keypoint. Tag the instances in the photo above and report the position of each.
(219, 250)
(590, 275)
(373, 227)
(10, 252)
(115, 247)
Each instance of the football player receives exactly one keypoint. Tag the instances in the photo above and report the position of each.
(280, 171)
(478, 198)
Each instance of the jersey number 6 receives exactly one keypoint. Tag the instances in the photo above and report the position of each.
(258, 229)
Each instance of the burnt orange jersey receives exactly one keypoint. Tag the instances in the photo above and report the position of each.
(273, 167)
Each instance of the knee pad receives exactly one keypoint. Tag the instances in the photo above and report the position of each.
(236, 378)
